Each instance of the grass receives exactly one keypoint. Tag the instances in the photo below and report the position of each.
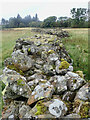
(77, 47)
(9, 37)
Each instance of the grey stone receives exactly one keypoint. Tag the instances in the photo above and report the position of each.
(73, 115)
(60, 83)
(44, 90)
(74, 81)
(48, 69)
(57, 108)
(17, 87)
(24, 110)
(69, 96)
(21, 61)
(84, 93)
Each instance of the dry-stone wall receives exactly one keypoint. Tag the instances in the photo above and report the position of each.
(40, 82)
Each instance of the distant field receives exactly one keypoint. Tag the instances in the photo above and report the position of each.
(76, 44)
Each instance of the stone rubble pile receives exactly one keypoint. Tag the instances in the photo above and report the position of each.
(57, 32)
(40, 82)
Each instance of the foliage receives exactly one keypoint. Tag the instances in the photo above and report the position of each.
(79, 19)
(49, 22)
(79, 16)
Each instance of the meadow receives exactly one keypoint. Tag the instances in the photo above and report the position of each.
(76, 45)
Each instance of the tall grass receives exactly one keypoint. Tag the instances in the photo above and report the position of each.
(8, 41)
(77, 47)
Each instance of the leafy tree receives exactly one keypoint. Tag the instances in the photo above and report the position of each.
(3, 21)
(49, 22)
(79, 16)
(19, 20)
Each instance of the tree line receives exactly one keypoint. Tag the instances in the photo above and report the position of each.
(79, 19)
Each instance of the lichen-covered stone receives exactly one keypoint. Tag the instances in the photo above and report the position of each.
(57, 108)
(44, 90)
(74, 81)
(84, 93)
(60, 83)
(17, 87)
(68, 96)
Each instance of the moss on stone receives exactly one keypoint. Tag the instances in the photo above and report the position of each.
(64, 65)
(80, 73)
(41, 108)
(20, 82)
(84, 110)
(13, 67)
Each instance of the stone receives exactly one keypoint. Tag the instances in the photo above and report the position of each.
(7, 71)
(60, 72)
(17, 87)
(68, 96)
(80, 73)
(57, 108)
(41, 91)
(23, 111)
(70, 68)
(48, 69)
(60, 83)
(73, 115)
(82, 108)
(84, 93)
(40, 82)
(11, 110)
(74, 81)
(53, 57)
(21, 61)
(53, 108)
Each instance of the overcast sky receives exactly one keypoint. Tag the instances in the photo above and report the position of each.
(44, 8)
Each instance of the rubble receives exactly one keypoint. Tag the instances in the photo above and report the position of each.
(40, 82)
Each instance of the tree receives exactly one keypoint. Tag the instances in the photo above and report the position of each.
(3, 21)
(78, 16)
(49, 22)
(19, 20)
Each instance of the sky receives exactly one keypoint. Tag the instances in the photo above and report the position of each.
(44, 8)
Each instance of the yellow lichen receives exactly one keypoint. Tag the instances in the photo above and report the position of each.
(80, 73)
(20, 82)
(41, 108)
(29, 50)
(62, 59)
(61, 45)
(51, 51)
(64, 65)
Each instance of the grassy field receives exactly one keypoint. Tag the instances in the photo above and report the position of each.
(76, 45)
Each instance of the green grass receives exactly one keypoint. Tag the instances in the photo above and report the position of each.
(77, 47)
(8, 41)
